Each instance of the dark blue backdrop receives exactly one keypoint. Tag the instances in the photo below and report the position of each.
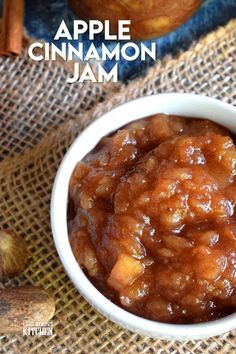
(43, 17)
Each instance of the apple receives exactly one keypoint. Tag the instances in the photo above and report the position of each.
(149, 18)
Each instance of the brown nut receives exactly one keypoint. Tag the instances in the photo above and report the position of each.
(13, 254)
(24, 304)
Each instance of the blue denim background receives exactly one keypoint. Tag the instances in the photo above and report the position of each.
(42, 18)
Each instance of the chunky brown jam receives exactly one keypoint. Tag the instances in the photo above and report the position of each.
(152, 221)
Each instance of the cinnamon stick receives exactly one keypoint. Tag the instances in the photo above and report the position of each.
(12, 27)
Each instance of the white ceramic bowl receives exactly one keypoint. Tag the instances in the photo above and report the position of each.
(179, 104)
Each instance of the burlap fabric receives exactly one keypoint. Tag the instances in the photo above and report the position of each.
(40, 116)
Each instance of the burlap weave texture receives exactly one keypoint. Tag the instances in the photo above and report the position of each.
(40, 117)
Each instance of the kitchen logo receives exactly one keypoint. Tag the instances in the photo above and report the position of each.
(34, 328)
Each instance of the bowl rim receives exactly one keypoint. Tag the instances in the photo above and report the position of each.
(58, 208)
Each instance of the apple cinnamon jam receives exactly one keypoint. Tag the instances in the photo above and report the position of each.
(151, 218)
